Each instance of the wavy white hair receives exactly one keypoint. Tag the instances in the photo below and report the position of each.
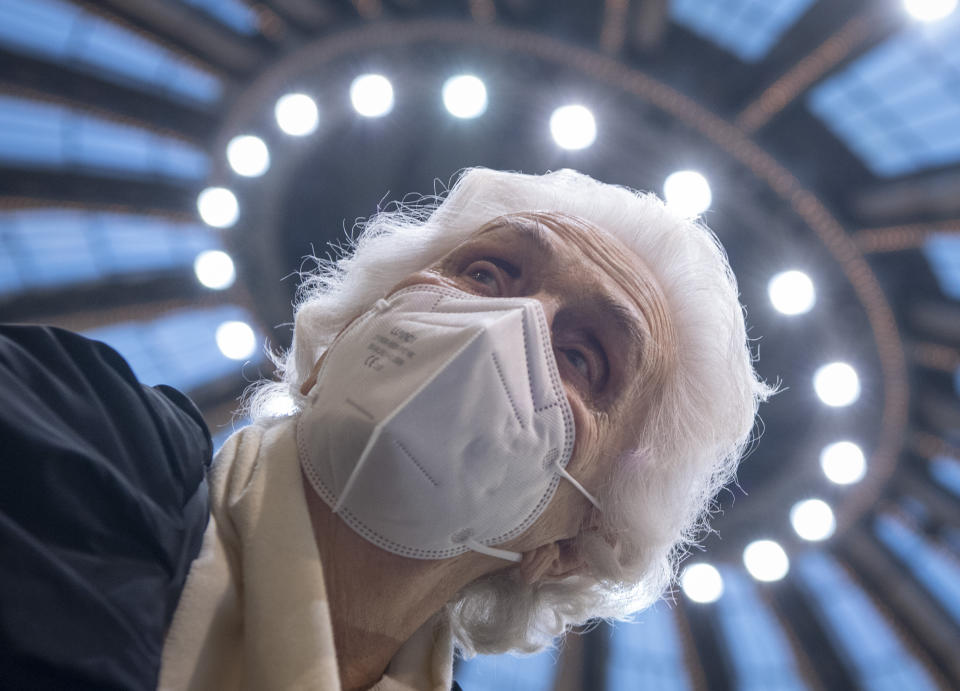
(657, 501)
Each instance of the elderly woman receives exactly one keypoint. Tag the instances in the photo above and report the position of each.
(512, 410)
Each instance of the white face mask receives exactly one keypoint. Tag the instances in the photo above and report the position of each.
(439, 424)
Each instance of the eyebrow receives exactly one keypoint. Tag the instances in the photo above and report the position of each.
(622, 317)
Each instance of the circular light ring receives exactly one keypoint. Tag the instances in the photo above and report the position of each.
(791, 292)
(296, 114)
(573, 127)
(687, 192)
(248, 156)
(702, 583)
(371, 95)
(218, 207)
(843, 463)
(214, 269)
(465, 96)
(766, 560)
(724, 134)
(236, 340)
(812, 519)
(837, 384)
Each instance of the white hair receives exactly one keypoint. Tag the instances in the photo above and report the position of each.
(657, 500)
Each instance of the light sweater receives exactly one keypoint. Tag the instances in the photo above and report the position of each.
(254, 613)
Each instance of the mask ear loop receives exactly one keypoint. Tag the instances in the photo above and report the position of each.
(573, 481)
(493, 551)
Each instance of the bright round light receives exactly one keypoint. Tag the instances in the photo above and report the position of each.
(837, 384)
(573, 127)
(843, 463)
(687, 192)
(812, 519)
(372, 95)
(218, 207)
(465, 96)
(248, 156)
(236, 340)
(791, 292)
(214, 269)
(766, 560)
(702, 583)
(929, 10)
(296, 114)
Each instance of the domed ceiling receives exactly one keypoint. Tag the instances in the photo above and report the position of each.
(829, 136)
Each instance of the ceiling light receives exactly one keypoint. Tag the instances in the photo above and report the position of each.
(687, 192)
(843, 463)
(766, 560)
(930, 10)
(214, 269)
(296, 114)
(812, 519)
(236, 340)
(372, 95)
(248, 156)
(465, 96)
(702, 583)
(218, 207)
(791, 292)
(837, 384)
(573, 127)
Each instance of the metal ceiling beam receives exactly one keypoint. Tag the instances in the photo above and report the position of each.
(710, 644)
(88, 91)
(189, 30)
(84, 187)
(913, 481)
(894, 588)
(797, 612)
(936, 320)
(100, 302)
(931, 197)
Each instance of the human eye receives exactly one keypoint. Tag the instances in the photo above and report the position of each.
(587, 363)
(490, 275)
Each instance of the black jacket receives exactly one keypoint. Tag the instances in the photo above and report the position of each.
(103, 506)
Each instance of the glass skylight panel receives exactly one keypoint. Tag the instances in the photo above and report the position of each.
(858, 629)
(508, 672)
(231, 13)
(761, 655)
(946, 471)
(938, 571)
(62, 32)
(50, 247)
(942, 251)
(746, 28)
(41, 134)
(177, 348)
(647, 653)
(898, 106)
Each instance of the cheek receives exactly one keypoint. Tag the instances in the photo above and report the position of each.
(588, 437)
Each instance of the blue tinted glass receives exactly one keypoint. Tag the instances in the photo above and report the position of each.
(508, 672)
(60, 31)
(232, 13)
(746, 28)
(942, 251)
(946, 471)
(935, 568)
(42, 134)
(51, 247)
(898, 106)
(647, 653)
(857, 628)
(761, 655)
(178, 348)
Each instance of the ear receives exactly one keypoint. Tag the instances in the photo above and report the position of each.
(552, 561)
